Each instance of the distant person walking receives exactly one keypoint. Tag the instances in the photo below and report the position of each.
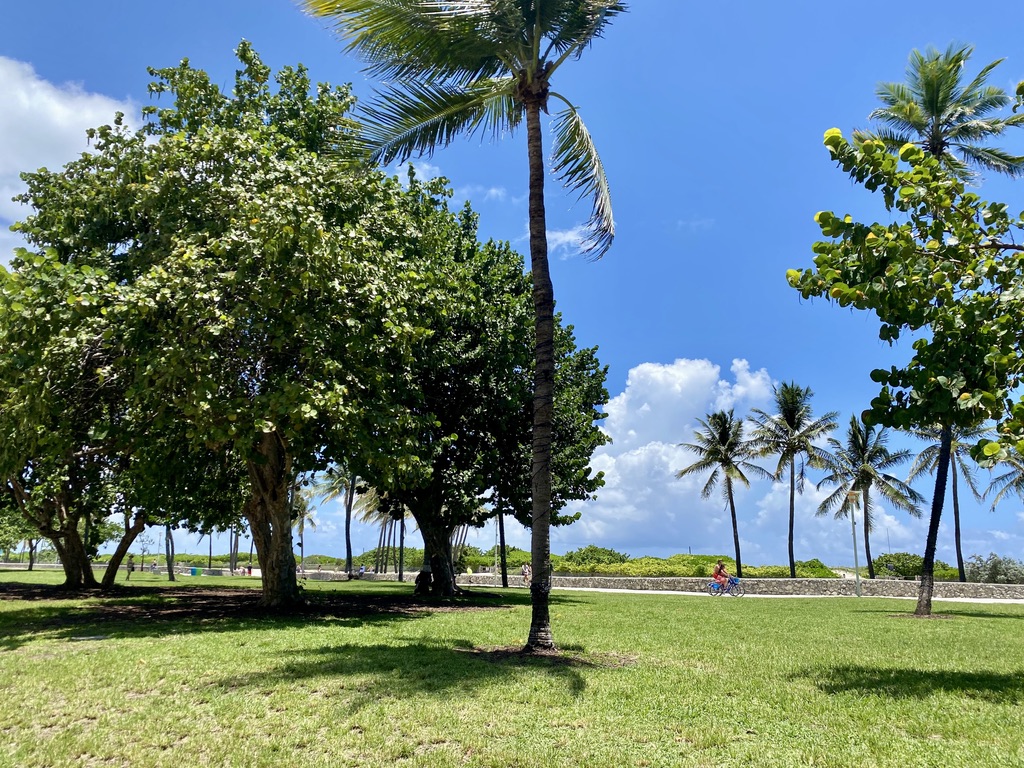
(527, 572)
(130, 567)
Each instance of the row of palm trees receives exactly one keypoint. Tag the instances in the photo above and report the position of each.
(859, 468)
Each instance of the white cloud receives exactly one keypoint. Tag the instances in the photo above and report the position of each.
(41, 124)
(661, 402)
(477, 192)
(566, 242)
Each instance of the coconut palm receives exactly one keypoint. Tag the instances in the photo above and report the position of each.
(858, 466)
(338, 483)
(960, 465)
(720, 448)
(303, 515)
(947, 119)
(790, 434)
(470, 66)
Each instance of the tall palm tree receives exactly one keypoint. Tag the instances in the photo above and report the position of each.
(303, 515)
(790, 434)
(946, 118)
(720, 448)
(337, 482)
(858, 466)
(471, 66)
(960, 465)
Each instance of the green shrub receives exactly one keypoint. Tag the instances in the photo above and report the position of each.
(590, 555)
(814, 569)
(899, 564)
(766, 572)
(994, 569)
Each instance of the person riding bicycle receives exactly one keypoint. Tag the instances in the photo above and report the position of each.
(720, 575)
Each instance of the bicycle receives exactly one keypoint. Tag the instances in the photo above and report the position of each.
(733, 588)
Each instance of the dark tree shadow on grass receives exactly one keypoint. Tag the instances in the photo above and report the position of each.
(138, 612)
(365, 673)
(994, 687)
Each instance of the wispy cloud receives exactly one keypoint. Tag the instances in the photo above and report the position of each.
(477, 192)
(693, 226)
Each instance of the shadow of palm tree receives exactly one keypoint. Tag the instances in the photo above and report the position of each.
(364, 673)
(995, 687)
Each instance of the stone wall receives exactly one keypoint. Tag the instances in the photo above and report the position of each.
(806, 587)
(800, 587)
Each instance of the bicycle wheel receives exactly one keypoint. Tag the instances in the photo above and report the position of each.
(736, 590)
(714, 590)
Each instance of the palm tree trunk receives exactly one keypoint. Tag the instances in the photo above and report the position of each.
(378, 557)
(501, 543)
(924, 596)
(543, 388)
(956, 518)
(401, 549)
(169, 551)
(735, 526)
(350, 498)
(867, 535)
(792, 514)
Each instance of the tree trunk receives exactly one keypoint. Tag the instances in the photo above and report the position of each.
(792, 514)
(350, 498)
(438, 552)
(380, 547)
(137, 526)
(73, 557)
(735, 527)
(924, 596)
(269, 515)
(32, 544)
(169, 551)
(956, 517)
(501, 544)
(867, 536)
(401, 549)
(540, 636)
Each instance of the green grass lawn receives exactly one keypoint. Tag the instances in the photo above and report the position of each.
(647, 680)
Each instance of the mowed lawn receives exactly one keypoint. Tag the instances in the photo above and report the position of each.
(152, 678)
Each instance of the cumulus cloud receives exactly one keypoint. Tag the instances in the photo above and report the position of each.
(41, 124)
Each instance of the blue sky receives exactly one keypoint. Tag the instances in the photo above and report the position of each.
(709, 119)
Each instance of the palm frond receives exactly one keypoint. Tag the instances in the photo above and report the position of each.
(414, 40)
(404, 123)
(569, 27)
(993, 159)
(578, 165)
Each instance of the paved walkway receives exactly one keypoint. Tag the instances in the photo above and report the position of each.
(1007, 601)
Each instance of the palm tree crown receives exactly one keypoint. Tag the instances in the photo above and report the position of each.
(475, 66)
(946, 118)
(859, 466)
